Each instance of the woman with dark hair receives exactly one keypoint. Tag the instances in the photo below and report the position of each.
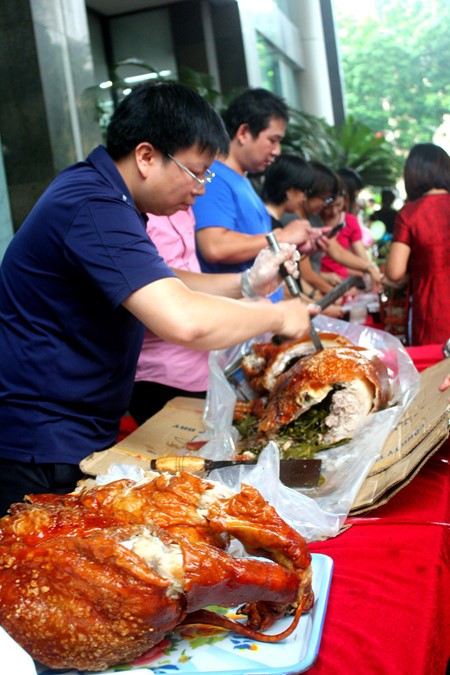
(421, 243)
(354, 184)
(323, 192)
(350, 236)
(286, 185)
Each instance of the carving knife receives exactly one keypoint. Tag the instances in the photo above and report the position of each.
(340, 290)
(294, 288)
(293, 472)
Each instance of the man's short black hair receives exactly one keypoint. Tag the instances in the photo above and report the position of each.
(256, 108)
(169, 116)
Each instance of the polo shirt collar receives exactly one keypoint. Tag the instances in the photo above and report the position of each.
(103, 163)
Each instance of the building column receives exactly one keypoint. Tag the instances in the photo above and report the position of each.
(47, 113)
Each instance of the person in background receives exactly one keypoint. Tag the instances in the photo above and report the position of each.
(354, 184)
(285, 188)
(165, 370)
(287, 184)
(81, 280)
(350, 237)
(386, 213)
(231, 219)
(421, 243)
(323, 192)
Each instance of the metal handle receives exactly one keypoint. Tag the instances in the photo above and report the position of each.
(293, 286)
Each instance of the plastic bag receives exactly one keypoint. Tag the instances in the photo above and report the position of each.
(320, 512)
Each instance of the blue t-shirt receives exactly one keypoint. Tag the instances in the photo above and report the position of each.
(230, 202)
(68, 347)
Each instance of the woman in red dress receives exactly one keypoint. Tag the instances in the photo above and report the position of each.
(421, 243)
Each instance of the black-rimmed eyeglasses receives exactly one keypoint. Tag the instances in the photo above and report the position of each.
(209, 175)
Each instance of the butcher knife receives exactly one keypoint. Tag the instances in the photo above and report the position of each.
(294, 473)
(341, 289)
(294, 289)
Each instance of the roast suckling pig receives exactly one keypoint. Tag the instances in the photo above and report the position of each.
(266, 361)
(95, 578)
(322, 396)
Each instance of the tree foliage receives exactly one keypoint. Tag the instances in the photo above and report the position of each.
(352, 145)
(396, 68)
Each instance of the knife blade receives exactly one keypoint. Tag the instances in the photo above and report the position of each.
(293, 472)
(340, 289)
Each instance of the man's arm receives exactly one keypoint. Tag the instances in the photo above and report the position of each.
(217, 244)
(225, 285)
(203, 321)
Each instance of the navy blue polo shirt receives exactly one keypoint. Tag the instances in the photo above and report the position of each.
(68, 348)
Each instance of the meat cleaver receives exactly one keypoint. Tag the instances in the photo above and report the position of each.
(295, 473)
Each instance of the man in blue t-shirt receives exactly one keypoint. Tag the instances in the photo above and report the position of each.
(231, 220)
(81, 280)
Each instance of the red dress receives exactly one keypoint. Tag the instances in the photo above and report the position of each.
(424, 226)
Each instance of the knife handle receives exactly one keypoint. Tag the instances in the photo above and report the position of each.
(180, 463)
(291, 283)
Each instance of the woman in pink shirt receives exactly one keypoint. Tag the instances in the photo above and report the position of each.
(350, 237)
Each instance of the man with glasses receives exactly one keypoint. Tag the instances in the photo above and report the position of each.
(231, 220)
(81, 281)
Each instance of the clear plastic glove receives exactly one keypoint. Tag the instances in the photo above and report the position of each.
(263, 277)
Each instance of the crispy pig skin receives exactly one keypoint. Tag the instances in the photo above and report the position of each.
(73, 596)
(267, 361)
(311, 378)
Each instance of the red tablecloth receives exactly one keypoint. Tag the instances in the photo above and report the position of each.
(389, 606)
(388, 610)
(426, 356)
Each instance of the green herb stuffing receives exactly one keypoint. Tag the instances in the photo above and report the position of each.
(299, 439)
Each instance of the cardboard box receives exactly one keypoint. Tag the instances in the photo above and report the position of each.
(166, 433)
(421, 431)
